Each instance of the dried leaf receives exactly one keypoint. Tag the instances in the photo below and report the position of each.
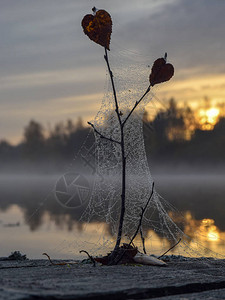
(98, 27)
(144, 259)
(126, 252)
(161, 72)
(102, 260)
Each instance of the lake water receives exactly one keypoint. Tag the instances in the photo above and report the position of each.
(33, 220)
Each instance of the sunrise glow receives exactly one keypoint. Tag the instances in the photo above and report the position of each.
(205, 229)
(210, 229)
(208, 118)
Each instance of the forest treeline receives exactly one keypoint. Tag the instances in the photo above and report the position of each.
(172, 136)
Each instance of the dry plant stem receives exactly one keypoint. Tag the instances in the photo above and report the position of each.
(123, 191)
(101, 135)
(142, 213)
(143, 240)
(90, 257)
(139, 225)
(131, 242)
(122, 145)
(135, 105)
(58, 264)
(113, 86)
(169, 249)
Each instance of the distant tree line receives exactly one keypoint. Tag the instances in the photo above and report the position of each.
(177, 137)
(39, 148)
(171, 136)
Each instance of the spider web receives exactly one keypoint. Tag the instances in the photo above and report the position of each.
(131, 74)
(162, 225)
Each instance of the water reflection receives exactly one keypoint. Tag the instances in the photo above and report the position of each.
(33, 223)
(51, 236)
(204, 231)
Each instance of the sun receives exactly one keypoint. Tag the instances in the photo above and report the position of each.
(212, 115)
(208, 118)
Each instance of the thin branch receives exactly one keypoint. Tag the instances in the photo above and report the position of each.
(130, 240)
(142, 213)
(169, 249)
(90, 257)
(123, 191)
(113, 87)
(101, 135)
(139, 225)
(143, 240)
(59, 264)
(135, 105)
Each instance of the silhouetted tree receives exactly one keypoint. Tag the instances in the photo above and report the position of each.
(57, 142)
(34, 141)
(6, 151)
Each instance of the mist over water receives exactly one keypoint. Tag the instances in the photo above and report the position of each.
(201, 194)
(32, 219)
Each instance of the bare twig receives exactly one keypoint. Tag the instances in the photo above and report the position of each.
(130, 240)
(169, 249)
(90, 257)
(142, 213)
(101, 135)
(136, 104)
(139, 225)
(113, 86)
(113, 259)
(143, 240)
(123, 188)
(59, 264)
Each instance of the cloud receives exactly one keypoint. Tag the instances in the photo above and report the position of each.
(190, 31)
(51, 78)
(44, 54)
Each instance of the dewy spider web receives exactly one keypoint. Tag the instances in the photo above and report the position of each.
(131, 73)
(131, 80)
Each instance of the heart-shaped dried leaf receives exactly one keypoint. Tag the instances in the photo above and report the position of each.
(98, 27)
(161, 72)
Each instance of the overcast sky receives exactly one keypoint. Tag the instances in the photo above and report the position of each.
(51, 71)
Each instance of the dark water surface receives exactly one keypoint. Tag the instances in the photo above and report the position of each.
(33, 221)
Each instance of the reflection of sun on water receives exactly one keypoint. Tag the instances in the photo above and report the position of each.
(213, 236)
(205, 229)
(95, 237)
(210, 230)
(202, 231)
